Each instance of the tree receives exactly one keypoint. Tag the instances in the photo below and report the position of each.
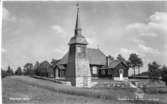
(36, 68)
(119, 57)
(54, 62)
(139, 64)
(110, 57)
(133, 62)
(18, 71)
(9, 71)
(3, 73)
(164, 74)
(154, 71)
(28, 69)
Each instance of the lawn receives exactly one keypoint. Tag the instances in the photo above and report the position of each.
(22, 89)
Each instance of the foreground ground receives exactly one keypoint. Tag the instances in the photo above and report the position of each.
(22, 89)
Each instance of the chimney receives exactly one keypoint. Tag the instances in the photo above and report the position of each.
(108, 60)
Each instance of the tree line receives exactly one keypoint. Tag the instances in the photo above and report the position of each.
(155, 71)
(38, 69)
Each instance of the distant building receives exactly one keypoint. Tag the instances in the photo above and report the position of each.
(100, 65)
(45, 69)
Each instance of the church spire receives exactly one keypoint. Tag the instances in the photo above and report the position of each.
(78, 25)
(78, 38)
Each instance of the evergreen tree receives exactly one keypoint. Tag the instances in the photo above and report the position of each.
(135, 62)
(139, 64)
(18, 71)
(36, 68)
(3, 73)
(9, 71)
(119, 57)
(154, 71)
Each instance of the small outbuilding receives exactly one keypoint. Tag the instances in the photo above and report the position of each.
(59, 71)
(116, 69)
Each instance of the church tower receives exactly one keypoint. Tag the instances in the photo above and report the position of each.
(78, 70)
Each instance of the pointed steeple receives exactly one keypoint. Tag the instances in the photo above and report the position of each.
(78, 25)
(78, 38)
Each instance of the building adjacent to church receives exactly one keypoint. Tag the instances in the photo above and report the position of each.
(101, 66)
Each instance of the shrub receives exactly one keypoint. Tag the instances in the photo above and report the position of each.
(164, 74)
(155, 90)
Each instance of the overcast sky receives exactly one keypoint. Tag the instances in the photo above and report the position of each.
(38, 31)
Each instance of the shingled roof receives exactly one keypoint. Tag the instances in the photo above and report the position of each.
(61, 67)
(95, 57)
(114, 64)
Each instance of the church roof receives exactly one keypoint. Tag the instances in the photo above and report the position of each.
(95, 57)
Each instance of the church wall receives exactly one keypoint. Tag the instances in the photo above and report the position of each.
(70, 72)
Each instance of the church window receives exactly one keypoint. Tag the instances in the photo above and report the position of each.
(94, 70)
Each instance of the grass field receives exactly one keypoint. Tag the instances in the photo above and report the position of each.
(22, 89)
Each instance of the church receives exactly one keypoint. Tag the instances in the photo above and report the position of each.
(81, 61)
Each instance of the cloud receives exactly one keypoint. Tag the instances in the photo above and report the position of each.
(159, 17)
(91, 42)
(57, 50)
(6, 15)
(138, 41)
(59, 30)
(3, 50)
(141, 29)
(156, 26)
(147, 49)
(126, 52)
(150, 37)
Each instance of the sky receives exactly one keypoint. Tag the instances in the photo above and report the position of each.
(38, 31)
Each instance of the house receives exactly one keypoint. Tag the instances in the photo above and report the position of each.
(45, 69)
(116, 69)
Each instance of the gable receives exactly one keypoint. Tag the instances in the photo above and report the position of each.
(115, 63)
